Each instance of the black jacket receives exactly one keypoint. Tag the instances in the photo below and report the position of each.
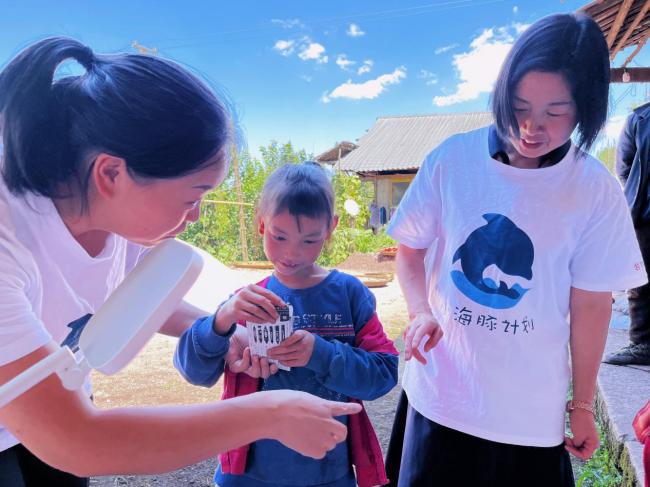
(633, 163)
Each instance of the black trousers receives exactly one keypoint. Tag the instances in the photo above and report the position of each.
(639, 298)
(423, 453)
(20, 468)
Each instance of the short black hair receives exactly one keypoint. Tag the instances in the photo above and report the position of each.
(301, 189)
(569, 44)
(162, 120)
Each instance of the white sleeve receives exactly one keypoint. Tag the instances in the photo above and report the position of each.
(21, 330)
(415, 222)
(607, 256)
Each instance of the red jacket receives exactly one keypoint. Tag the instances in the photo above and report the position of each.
(641, 426)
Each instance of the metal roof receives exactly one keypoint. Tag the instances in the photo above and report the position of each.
(402, 142)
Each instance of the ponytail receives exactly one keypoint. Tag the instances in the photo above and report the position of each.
(38, 155)
(163, 121)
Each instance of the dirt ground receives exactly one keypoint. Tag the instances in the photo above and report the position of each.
(152, 380)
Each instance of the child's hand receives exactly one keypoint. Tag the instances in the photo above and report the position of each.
(239, 357)
(585, 439)
(252, 303)
(295, 351)
(253, 366)
(423, 325)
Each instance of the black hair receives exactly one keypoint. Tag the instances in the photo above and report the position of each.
(158, 117)
(569, 44)
(301, 189)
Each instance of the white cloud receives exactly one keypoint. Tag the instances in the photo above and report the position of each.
(306, 49)
(284, 47)
(431, 78)
(313, 51)
(368, 90)
(515, 9)
(344, 63)
(365, 67)
(288, 23)
(307, 78)
(479, 67)
(442, 49)
(519, 27)
(355, 31)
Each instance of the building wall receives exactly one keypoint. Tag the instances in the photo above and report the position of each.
(389, 189)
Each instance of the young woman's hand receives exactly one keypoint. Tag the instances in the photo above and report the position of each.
(295, 351)
(423, 325)
(585, 440)
(293, 413)
(252, 303)
(239, 357)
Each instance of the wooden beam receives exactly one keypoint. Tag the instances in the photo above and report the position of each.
(620, 18)
(637, 75)
(638, 35)
(637, 20)
(640, 43)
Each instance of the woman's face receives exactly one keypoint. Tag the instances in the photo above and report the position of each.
(545, 112)
(155, 210)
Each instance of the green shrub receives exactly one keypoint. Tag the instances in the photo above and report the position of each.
(600, 470)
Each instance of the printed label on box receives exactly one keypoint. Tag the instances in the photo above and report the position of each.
(263, 336)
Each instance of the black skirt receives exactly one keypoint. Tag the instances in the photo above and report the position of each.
(424, 453)
(21, 468)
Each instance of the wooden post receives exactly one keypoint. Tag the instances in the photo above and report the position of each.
(240, 200)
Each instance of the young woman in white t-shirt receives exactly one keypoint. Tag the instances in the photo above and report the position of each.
(504, 233)
(94, 165)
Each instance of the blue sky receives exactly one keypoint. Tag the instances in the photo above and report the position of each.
(308, 72)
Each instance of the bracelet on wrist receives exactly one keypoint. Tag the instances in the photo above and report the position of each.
(572, 405)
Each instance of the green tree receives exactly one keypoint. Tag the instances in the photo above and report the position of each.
(217, 231)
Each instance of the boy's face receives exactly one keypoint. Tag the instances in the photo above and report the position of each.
(293, 243)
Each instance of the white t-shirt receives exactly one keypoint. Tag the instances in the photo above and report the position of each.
(505, 245)
(47, 279)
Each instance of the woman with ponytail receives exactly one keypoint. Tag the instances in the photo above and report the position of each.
(94, 167)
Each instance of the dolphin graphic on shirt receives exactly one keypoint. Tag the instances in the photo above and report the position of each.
(502, 244)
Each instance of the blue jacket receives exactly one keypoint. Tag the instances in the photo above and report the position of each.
(633, 163)
(335, 310)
